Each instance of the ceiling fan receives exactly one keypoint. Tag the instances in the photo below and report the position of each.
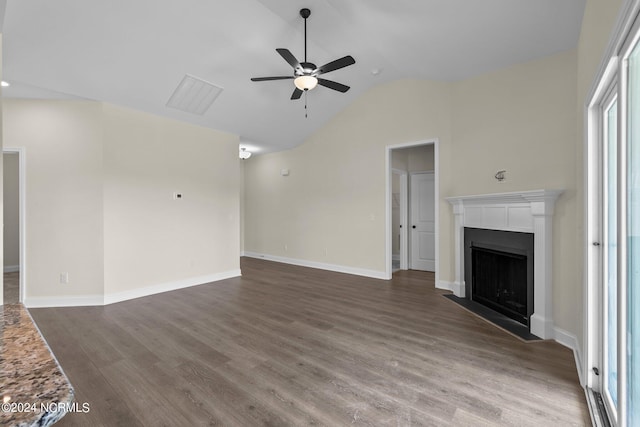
(305, 74)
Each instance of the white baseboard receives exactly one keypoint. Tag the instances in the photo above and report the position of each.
(64, 301)
(570, 341)
(115, 297)
(322, 266)
(111, 298)
(458, 289)
(454, 287)
(542, 327)
(11, 268)
(443, 284)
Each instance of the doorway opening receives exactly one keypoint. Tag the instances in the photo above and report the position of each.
(14, 277)
(412, 207)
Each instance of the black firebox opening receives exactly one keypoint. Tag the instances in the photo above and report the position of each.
(499, 271)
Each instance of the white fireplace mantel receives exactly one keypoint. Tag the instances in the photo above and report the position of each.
(524, 211)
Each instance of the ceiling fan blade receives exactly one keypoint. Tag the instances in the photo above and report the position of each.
(297, 93)
(345, 61)
(264, 79)
(288, 56)
(333, 85)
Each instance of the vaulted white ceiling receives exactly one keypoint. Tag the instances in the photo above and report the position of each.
(134, 53)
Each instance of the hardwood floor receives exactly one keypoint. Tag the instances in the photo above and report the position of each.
(286, 345)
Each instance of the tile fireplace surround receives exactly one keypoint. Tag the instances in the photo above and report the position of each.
(523, 211)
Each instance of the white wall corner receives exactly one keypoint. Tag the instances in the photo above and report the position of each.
(570, 341)
(374, 274)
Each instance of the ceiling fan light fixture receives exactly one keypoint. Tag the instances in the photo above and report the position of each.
(244, 154)
(305, 82)
(305, 73)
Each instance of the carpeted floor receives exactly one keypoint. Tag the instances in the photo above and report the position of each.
(11, 287)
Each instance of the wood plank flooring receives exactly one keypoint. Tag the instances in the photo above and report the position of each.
(286, 345)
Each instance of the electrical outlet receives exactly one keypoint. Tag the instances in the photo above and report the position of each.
(177, 195)
(286, 248)
(64, 278)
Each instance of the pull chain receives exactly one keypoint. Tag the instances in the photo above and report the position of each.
(305, 104)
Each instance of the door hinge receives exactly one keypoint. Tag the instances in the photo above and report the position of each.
(596, 370)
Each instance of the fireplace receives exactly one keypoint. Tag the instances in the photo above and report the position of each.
(529, 212)
(499, 271)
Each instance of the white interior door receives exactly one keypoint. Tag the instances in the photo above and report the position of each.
(422, 221)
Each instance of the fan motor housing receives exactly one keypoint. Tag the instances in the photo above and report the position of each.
(307, 69)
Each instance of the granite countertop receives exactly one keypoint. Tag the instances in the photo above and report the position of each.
(33, 388)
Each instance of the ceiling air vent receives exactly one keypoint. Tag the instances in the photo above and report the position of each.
(194, 95)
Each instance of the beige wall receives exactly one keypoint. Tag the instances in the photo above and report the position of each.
(522, 119)
(100, 182)
(63, 161)
(334, 197)
(150, 238)
(11, 211)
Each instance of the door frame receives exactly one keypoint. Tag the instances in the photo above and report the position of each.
(20, 151)
(388, 213)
